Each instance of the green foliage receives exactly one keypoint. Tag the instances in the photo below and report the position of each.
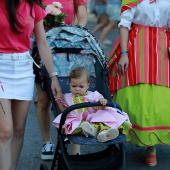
(51, 21)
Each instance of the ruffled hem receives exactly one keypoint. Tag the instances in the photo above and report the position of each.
(148, 138)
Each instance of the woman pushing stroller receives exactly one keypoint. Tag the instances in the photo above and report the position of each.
(101, 122)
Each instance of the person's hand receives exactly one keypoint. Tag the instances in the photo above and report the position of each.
(123, 64)
(103, 101)
(56, 89)
(57, 99)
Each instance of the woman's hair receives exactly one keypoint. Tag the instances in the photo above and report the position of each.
(11, 9)
(75, 6)
(79, 72)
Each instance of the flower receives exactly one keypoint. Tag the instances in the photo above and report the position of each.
(55, 17)
(51, 9)
(57, 4)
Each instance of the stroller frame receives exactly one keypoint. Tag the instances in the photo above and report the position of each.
(61, 155)
(111, 158)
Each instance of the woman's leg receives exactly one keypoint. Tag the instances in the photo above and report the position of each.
(19, 114)
(75, 149)
(43, 116)
(151, 159)
(6, 131)
(106, 30)
(103, 21)
(43, 113)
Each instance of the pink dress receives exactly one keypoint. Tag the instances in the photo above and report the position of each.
(109, 116)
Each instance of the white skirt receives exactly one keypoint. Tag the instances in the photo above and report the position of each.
(16, 76)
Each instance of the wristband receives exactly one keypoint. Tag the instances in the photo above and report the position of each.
(124, 52)
(53, 74)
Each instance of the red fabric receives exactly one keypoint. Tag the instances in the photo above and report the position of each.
(148, 59)
(151, 1)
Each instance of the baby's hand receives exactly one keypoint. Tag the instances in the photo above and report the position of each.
(57, 98)
(103, 101)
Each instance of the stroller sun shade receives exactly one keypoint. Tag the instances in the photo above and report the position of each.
(74, 46)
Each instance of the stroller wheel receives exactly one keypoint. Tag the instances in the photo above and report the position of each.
(43, 167)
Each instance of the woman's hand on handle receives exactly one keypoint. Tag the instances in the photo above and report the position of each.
(55, 86)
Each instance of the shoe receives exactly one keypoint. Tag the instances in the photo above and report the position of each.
(88, 129)
(150, 158)
(107, 42)
(107, 135)
(47, 151)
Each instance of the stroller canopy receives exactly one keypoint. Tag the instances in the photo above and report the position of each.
(69, 36)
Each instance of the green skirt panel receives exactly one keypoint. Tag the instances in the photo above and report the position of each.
(148, 107)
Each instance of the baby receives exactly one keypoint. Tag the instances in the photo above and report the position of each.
(101, 122)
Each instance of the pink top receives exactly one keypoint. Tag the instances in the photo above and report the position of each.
(68, 8)
(12, 42)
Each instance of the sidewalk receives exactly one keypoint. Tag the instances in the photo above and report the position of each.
(30, 155)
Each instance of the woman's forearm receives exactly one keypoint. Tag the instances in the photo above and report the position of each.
(124, 34)
(82, 15)
(43, 47)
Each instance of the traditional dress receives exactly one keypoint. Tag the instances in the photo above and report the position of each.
(109, 116)
(142, 89)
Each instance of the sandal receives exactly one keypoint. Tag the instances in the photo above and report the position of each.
(150, 159)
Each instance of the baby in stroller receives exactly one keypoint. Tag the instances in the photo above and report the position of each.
(101, 122)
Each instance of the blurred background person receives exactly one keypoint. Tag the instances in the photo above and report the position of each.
(102, 17)
(113, 11)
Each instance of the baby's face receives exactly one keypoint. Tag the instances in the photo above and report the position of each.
(79, 86)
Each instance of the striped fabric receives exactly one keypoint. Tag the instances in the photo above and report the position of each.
(127, 4)
(148, 59)
(151, 1)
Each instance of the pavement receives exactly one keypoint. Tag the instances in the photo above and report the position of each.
(30, 154)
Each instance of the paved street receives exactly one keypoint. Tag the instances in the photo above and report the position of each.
(30, 156)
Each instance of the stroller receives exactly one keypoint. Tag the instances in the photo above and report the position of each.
(74, 46)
